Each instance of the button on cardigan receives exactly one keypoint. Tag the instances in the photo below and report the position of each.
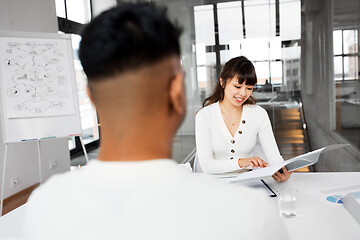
(218, 151)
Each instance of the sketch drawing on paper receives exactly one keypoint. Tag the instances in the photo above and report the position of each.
(36, 76)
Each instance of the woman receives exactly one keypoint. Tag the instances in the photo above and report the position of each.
(229, 125)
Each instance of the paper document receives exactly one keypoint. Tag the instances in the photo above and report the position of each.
(334, 196)
(292, 164)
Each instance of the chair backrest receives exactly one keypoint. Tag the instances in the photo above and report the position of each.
(197, 167)
(190, 158)
(193, 160)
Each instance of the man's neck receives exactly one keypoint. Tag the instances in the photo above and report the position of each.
(134, 147)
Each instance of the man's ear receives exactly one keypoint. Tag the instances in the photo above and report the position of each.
(88, 92)
(177, 93)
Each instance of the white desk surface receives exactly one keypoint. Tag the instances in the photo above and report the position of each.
(315, 220)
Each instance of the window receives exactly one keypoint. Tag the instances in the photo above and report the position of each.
(72, 15)
(205, 36)
(74, 10)
(230, 22)
(88, 115)
(255, 29)
(290, 11)
(346, 77)
(346, 54)
(204, 24)
(60, 8)
(260, 18)
(78, 10)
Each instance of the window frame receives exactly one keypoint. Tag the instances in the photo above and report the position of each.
(343, 55)
(71, 27)
(217, 47)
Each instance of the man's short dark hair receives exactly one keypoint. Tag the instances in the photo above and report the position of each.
(127, 37)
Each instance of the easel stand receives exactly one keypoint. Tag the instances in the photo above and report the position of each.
(18, 124)
(3, 180)
(84, 149)
(4, 172)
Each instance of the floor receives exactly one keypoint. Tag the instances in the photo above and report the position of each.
(351, 134)
(289, 133)
(18, 199)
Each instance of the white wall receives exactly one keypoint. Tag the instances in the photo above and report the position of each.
(28, 15)
(23, 159)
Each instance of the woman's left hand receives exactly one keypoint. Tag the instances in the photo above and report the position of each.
(282, 177)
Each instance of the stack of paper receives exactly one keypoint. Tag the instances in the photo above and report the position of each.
(292, 164)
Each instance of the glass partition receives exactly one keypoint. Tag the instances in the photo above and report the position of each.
(290, 45)
(215, 32)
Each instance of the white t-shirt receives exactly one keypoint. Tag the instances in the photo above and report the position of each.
(218, 151)
(154, 199)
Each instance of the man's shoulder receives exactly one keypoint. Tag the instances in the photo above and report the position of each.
(57, 185)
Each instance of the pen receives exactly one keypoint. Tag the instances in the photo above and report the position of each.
(267, 186)
(28, 139)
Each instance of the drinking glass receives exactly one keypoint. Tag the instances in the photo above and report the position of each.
(287, 202)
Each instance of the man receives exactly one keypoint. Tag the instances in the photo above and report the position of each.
(131, 56)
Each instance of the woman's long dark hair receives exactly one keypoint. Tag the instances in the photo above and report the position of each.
(240, 67)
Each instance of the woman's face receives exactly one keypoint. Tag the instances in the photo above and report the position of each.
(237, 93)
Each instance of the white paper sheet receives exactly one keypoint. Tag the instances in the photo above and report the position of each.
(292, 164)
(36, 77)
(333, 196)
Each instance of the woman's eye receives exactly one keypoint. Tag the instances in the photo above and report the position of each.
(250, 89)
(237, 86)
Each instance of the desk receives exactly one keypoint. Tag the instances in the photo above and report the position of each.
(315, 220)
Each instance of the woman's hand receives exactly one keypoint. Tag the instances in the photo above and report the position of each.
(252, 162)
(282, 177)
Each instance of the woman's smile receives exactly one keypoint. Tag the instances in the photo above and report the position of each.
(239, 99)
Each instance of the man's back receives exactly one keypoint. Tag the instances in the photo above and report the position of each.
(147, 200)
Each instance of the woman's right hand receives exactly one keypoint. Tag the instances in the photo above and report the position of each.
(252, 162)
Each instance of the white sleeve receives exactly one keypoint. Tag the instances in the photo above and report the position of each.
(267, 141)
(204, 150)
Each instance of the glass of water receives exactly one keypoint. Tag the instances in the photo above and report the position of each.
(287, 202)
